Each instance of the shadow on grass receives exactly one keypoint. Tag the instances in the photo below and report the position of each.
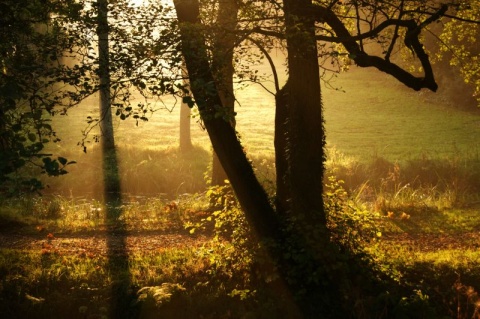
(117, 254)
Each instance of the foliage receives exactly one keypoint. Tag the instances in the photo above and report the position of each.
(32, 45)
(458, 43)
(49, 64)
(158, 295)
(233, 250)
(350, 227)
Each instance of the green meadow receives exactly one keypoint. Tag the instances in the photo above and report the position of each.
(403, 166)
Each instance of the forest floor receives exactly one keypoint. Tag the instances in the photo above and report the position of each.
(102, 242)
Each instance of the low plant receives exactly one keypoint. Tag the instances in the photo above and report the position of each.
(232, 251)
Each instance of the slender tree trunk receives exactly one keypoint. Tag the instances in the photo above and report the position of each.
(116, 241)
(111, 175)
(106, 124)
(185, 135)
(223, 71)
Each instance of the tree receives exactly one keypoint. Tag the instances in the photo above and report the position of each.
(32, 45)
(223, 70)
(224, 140)
(111, 177)
(106, 123)
(185, 113)
(299, 137)
(455, 44)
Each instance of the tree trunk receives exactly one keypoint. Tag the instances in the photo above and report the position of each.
(250, 193)
(117, 262)
(106, 124)
(295, 273)
(185, 136)
(300, 132)
(222, 63)
(299, 150)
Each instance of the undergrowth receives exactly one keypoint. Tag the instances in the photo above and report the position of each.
(230, 275)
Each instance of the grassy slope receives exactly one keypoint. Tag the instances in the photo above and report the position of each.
(377, 116)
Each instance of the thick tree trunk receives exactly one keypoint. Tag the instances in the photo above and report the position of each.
(312, 251)
(299, 150)
(299, 123)
(223, 71)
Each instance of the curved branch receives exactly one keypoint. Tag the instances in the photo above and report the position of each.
(363, 59)
(270, 61)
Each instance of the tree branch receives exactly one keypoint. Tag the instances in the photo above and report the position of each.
(363, 59)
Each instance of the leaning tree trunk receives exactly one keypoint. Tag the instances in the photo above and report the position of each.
(222, 61)
(251, 195)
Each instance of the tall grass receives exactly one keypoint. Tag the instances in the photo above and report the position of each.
(143, 172)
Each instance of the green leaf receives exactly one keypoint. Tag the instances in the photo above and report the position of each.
(62, 160)
(32, 137)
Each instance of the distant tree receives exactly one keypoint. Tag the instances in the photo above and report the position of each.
(185, 132)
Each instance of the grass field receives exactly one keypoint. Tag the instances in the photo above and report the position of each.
(411, 168)
(369, 117)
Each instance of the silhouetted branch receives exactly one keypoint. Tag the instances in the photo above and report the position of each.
(363, 59)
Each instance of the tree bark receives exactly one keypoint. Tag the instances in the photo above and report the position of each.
(250, 193)
(300, 157)
(185, 132)
(106, 122)
(299, 122)
(222, 62)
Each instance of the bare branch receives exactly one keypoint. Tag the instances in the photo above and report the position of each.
(365, 60)
(270, 61)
